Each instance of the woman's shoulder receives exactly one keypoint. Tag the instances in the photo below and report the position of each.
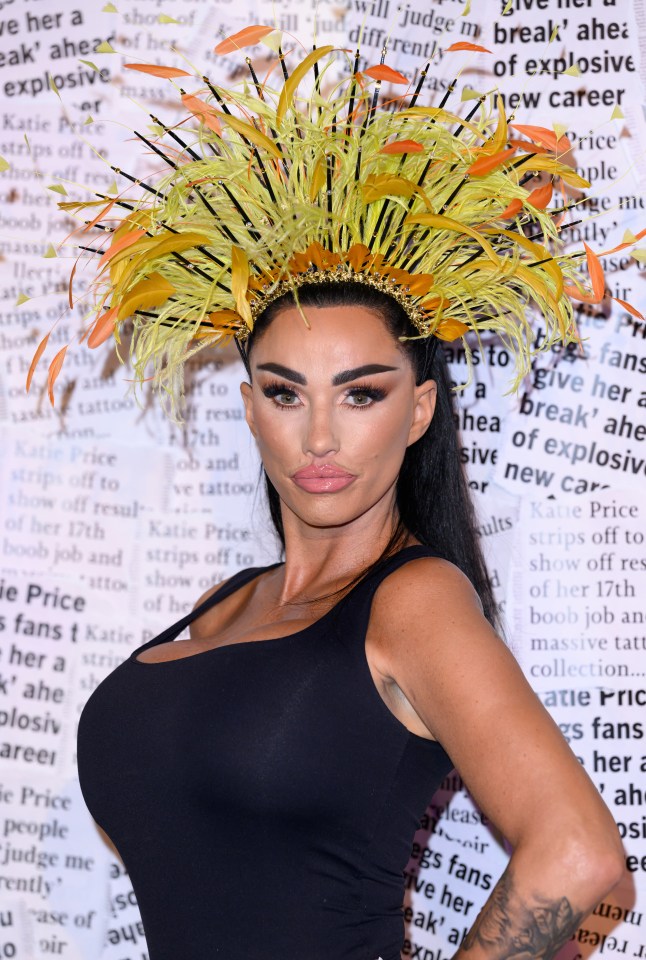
(199, 626)
(426, 578)
(428, 634)
(229, 586)
(203, 624)
(426, 598)
(211, 590)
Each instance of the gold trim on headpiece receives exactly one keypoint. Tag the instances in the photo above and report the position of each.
(358, 265)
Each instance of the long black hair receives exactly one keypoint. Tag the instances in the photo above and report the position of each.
(432, 493)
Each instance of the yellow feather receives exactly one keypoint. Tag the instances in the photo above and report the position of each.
(151, 292)
(529, 277)
(250, 133)
(240, 283)
(379, 185)
(441, 116)
(499, 139)
(318, 178)
(288, 91)
(446, 223)
(537, 161)
(150, 248)
(539, 252)
(450, 329)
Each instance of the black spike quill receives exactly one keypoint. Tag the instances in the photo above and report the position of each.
(156, 149)
(251, 230)
(422, 177)
(139, 183)
(403, 158)
(245, 218)
(252, 147)
(353, 90)
(259, 91)
(177, 256)
(281, 57)
(329, 169)
(171, 133)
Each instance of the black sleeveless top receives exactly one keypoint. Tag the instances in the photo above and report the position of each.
(261, 794)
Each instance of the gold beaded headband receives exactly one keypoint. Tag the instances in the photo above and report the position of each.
(317, 265)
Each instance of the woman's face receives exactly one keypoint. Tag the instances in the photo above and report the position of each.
(333, 408)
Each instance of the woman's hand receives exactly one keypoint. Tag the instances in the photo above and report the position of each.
(431, 639)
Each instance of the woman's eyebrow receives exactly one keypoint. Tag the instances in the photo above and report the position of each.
(282, 371)
(345, 376)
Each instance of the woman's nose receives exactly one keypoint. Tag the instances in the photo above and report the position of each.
(321, 435)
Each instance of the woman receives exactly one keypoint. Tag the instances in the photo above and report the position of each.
(278, 761)
(270, 775)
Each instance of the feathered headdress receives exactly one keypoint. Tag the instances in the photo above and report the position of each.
(278, 189)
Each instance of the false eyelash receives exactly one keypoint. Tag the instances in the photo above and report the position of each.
(375, 393)
(274, 388)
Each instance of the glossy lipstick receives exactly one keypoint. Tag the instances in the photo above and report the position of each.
(324, 479)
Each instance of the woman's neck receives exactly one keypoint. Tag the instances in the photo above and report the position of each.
(320, 560)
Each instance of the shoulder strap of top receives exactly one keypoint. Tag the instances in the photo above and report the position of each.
(233, 583)
(398, 559)
(361, 596)
(245, 576)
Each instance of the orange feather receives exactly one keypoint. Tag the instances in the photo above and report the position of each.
(629, 307)
(125, 241)
(53, 372)
(203, 112)
(402, 146)
(34, 363)
(103, 329)
(544, 136)
(248, 37)
(622, 246)
(383, 72)
(596, 273)
(512, 209)
(465, 45)
(486, 164)
(155, 71)
(541, 196)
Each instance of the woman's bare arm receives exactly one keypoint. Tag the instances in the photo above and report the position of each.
(514, 925)
(466, 687)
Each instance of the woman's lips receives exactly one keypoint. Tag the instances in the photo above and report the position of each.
(323, 484)
(325, 478)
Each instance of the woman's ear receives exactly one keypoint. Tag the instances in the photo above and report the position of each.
(425, 397)
(247, 399)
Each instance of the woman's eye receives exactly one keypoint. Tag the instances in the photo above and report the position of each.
(286, 398)
(364, 397)
(281, 396)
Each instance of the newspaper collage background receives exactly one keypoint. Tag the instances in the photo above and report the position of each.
(113, 521)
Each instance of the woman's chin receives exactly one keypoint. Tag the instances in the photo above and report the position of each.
(326, 510)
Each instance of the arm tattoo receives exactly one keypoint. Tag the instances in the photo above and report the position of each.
(512, 930)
